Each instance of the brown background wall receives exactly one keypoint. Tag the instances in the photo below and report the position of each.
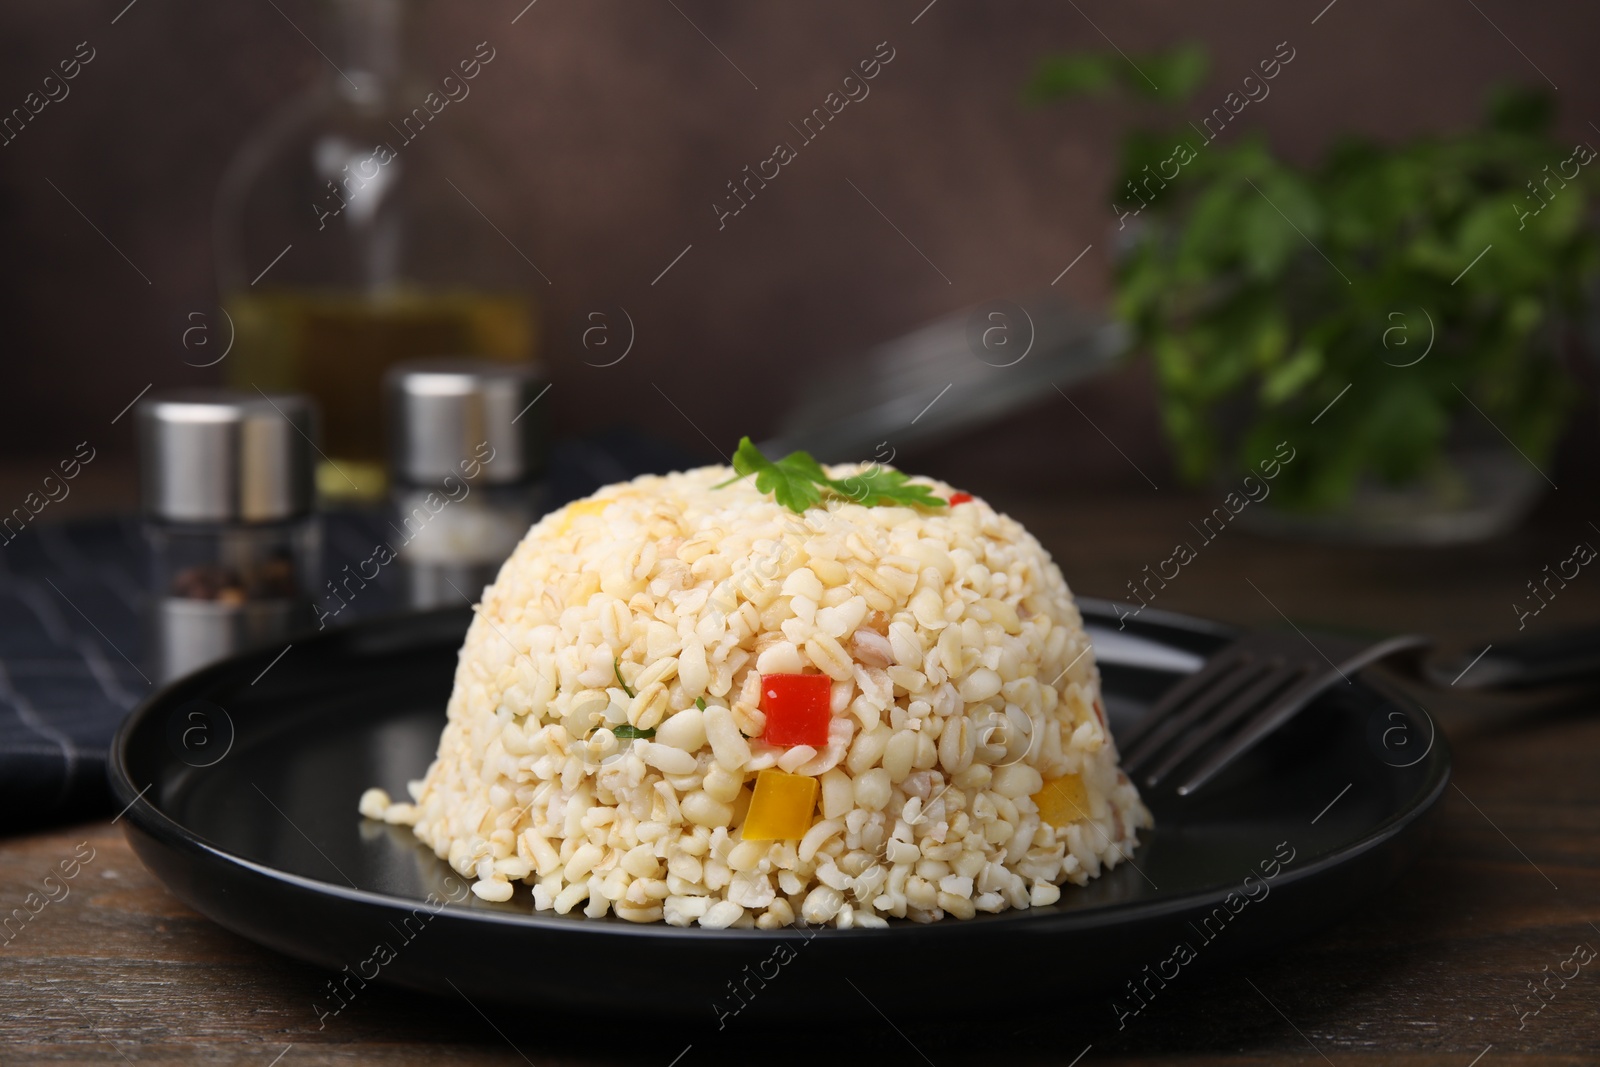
(614, 125)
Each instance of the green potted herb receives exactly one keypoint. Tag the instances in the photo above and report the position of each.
(1397, 313)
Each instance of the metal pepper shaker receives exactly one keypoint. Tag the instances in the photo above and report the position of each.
(228, 500)
(466, 458)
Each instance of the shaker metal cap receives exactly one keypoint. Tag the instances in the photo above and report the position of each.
(219, 455)
(444, 413)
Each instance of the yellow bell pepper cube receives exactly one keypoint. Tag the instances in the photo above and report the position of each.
(781, 807)
(1063, 801)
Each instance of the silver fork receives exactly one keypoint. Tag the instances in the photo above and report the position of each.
(1244, 692)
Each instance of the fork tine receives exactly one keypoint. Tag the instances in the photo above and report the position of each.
(1288, 704)
(1222, 663)
(1232, 677)
(1268, 719)
(1269, 685)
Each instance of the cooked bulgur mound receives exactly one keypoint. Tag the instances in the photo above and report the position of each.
(608, 738)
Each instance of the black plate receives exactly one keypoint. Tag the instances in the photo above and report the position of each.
(242, 790)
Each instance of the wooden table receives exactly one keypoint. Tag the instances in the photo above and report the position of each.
(117, 970)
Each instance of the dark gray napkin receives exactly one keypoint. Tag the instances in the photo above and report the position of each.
(73, 660)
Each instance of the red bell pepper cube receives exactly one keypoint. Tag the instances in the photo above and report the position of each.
(798, 708)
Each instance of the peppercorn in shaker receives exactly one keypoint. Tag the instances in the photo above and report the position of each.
(466, 459)
(227, 494)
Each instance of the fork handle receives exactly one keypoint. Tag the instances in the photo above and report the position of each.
(1566, 658)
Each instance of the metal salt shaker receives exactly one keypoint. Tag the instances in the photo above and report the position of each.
(466, 457)
(228, 500)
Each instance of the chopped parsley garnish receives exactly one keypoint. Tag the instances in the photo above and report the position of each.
(798, 482)
(629, 733)
(616, 668)
(700, 702)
